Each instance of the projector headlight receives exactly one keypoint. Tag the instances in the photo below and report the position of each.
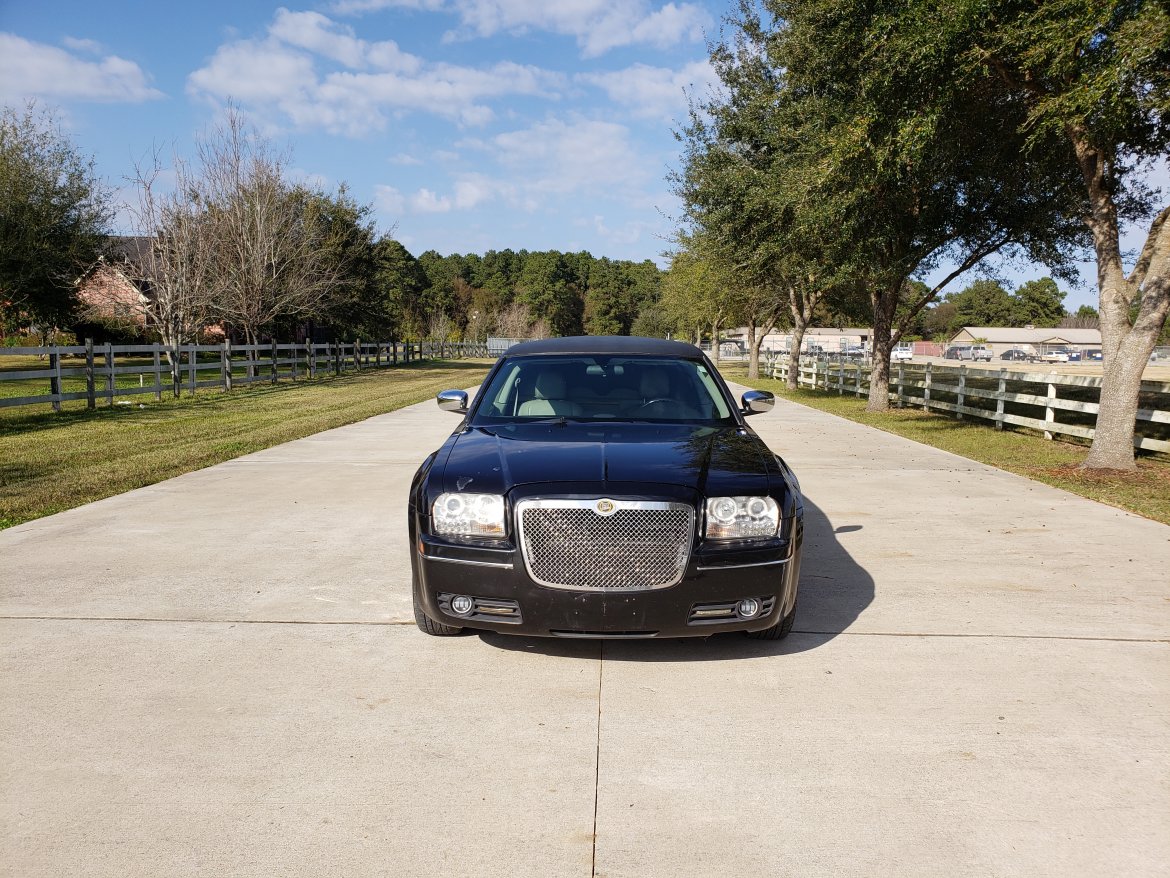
(741, 518)
(469, 515)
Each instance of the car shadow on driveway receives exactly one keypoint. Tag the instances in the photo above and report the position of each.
(834, 591)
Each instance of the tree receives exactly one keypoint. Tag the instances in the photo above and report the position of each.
(267, 238)
(54, 214)
(982, 303)
(402, 283)
(1094, 76)
(1039, 303)
(549, 286)
(653, 322)
(176, 264)
(355, 305)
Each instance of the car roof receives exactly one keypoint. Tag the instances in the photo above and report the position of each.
(605, 344)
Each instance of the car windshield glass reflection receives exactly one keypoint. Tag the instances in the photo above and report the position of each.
(598, 388)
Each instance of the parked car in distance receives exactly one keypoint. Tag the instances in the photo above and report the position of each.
(1016, 354)
(605, 487)
(971, 352)
(1056, 355)
(854, 353)
(1093, 355)
(901, 353)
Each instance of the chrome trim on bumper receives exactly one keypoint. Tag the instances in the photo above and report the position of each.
(507, 565)
(741, 566)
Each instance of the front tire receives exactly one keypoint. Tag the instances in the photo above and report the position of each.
(425, 623)
(429, 626)
(778, 631)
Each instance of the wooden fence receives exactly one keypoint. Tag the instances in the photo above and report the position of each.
(106, 372)
(1044, 401)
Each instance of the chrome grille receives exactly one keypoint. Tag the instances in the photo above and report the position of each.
(630, 544)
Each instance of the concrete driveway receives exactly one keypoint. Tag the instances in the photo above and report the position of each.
(219, 675)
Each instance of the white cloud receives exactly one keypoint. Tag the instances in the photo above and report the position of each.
(628, 233)
(598, 25)
(658, 92)
(78, 44)
(29, 70)
(426, 201)
(403, 158)
(280, 74)
(321, 36)
(389, 200)
(559, 157)
(553, 161)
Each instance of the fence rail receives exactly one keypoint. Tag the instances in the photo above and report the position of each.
(1048, 402)
(108, 371)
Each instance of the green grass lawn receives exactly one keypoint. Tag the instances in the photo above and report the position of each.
(51, 462)
(1146, 492)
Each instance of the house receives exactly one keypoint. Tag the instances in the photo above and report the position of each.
(115, 288)
(827, 339)
(1030, 339)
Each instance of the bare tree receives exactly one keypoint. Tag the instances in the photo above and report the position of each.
(265, 241)
(440, 326)
(175, 268)
(514, 321)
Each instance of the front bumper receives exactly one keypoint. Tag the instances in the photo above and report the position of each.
(509, 601)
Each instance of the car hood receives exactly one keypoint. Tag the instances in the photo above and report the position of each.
(715, 461)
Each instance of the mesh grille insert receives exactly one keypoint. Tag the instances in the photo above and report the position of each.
(638, 545)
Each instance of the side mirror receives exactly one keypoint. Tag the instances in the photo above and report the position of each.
(757, 402)
(452, 401)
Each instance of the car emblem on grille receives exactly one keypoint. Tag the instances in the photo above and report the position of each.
(605, 507)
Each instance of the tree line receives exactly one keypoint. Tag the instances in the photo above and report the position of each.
(229, 239)
(854, 148)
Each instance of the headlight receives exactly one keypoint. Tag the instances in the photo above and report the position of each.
(469, 515)
(742, 518)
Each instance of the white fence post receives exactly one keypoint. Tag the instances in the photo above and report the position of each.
(1000, 391)
(926, 390)
(962, 391)
(226, 364)
(1049, 411)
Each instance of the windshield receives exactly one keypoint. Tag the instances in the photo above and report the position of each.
(603, 388)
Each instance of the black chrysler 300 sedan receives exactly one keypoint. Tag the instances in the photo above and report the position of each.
(605, 487)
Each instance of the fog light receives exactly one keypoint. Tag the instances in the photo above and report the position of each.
(747, 608)
(462, 605)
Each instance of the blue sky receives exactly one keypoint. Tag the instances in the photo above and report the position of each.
(468, 124)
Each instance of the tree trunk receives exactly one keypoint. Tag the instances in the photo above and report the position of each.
(715, 340)
(755, 342)
(250, 339)
(1125, 346)
(884, 307)
(798, 327)
(753, 352)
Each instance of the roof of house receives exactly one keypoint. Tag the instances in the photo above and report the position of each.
(129, 248)
(1039, 335)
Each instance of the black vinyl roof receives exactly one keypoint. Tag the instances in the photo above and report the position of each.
(605, 344)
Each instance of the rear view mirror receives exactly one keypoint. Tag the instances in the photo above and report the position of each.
(756, 402)
(452, 401)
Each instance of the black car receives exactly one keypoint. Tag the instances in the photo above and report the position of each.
(605, 487)
(1015, 354)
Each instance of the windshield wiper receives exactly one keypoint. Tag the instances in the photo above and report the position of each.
(556, 420)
